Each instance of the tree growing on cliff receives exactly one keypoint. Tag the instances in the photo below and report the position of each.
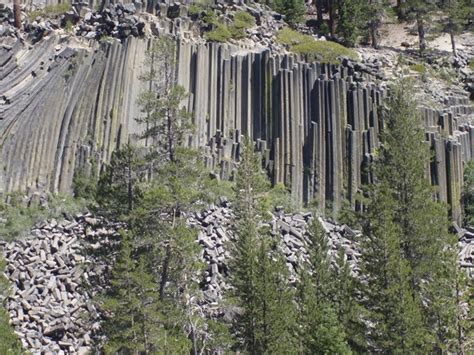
(408, 254)
(166, 121)
(118, 189)
(421, 11)
(266, 323)
(293, 10)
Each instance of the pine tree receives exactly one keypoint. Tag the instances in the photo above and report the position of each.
(136, 322)
(119, 185)
(352, 20)
(166, 121)
(346, 304)
(408, 253)
(293, 10)
(395, 315)
(321, 332)
(259, 274)
(155, 194)
(458, 13)
(420, 11)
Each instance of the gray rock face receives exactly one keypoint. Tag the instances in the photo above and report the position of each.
(67, 106)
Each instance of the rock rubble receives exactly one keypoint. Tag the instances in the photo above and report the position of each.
(54, 277)
(60, 266)
(292, 230)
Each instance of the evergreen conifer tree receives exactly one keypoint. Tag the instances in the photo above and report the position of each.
(420, 11)
(258, 273)
(136, 320)
(293, 10)
(408, 254)
(321, 332)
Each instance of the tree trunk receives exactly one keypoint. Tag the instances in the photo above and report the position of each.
(166, 262)
(16, 13)
(319, 9)
(332, 17)
(374, 35)
(130, 182)
(401, 12)
(170, 136)
(421, 32)
(453, 42)
(165, 271)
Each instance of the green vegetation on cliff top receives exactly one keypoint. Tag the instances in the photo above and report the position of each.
(323, 51)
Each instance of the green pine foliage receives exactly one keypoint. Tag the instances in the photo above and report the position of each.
(266, 323)
(458, 13)
(293, 10)
(353, 18)
(408, 255)
(154, 294)
(468, 193)
(321, 329)
(118, 190)
(136, 319)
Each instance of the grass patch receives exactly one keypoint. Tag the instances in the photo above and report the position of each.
(323, 51)
(418, 67)
(471, 64)
(50, 11)
(17, 218)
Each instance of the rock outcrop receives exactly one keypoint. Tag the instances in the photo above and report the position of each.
(67, 104)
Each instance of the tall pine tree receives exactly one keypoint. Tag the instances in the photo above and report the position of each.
(408, 253)
(259, 275)
(321, 330)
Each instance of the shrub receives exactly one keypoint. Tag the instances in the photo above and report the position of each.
(323, 51)
(219, 34)
(419, 68)
(242, 21)
(211, 18)
(50, 11)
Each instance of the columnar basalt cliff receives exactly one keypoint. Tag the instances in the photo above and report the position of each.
(66, 105)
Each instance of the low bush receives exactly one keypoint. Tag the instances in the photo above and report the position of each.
(50, 11)
(323, 51)
(220, 33)
(242, 21)
(419, 68)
